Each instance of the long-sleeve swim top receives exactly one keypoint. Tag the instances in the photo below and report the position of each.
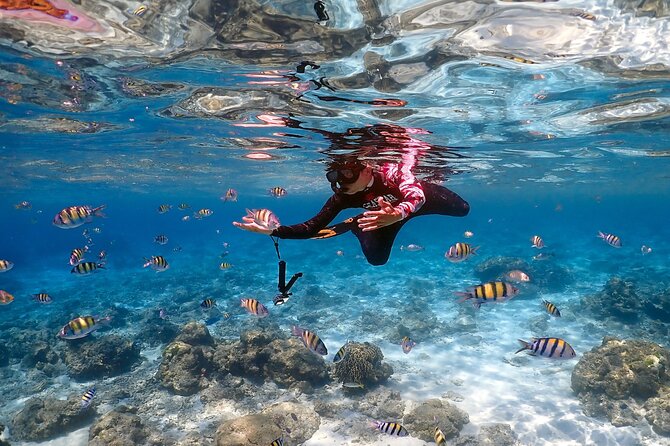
(394, 182)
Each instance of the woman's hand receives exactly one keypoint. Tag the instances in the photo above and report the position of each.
(387, 215)
(251, 226)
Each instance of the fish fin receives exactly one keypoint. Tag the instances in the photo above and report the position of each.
(464, 296)
(296, 331)
(101, 265)
(524, 346)
(249, 213)
(98, 211)
(473, 251)
(601, 234)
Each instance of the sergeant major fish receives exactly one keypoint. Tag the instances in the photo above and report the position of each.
(254, 307)
(440, 439)
(610, 239)
(548, 347)
(87, 398)
(5, 265)
(161, 239)
(390, 428)
(77, 255)
(264, 217)
(341, 354)
(81, 327)
(310, 340)
(460, 251)
(230, 195)
(489, 292)
(75, 216)
(201, 213)
(277, 192)
(551, 308)
(537, 242)
(157, 263)
(85, 268)
(42, 298)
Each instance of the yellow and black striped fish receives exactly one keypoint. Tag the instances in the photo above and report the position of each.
(87, 398)
(489, 292)
(551, 308)
(208, 303)
(75, 216)
(183, 206)
(81, 327)
(310, 340)
(225, 265)
(278, 441)
(87, 268)
(163, 208)
(205, 212)
(140, 10)
(583, 15)
(519, 59)
(537, 242)
(264, 217)
(77, 255)
(341, 353)
(157, 263)
(254, 307)
(440, 439)
(278, 192)
(42, 298)
(548, 347)
(611, 239)
(460, 251)
(390, 428)
(5, 265)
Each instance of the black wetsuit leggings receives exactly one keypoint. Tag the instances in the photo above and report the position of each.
(377, 244)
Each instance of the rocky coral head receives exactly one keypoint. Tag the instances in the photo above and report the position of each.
(362, 365)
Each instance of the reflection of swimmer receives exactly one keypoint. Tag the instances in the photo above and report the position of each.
(390, 194)
(44, 6)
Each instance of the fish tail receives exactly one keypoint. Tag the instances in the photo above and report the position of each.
(473, 251)
(105, 320)
(249, 213)
(98, 211)
(464, 296)
(524, 346)
(601, 235)
(296, 331)
(101, 265)
(375, 424)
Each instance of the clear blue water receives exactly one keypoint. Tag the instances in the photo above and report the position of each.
(563, 148)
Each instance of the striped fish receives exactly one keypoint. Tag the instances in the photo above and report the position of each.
(157, 263)
(519, 59)
(225, 265)
(440, 439)
(265, 218)
(163, 208)
(140, 10)
(548, 347)
(86, 268)
(183, 206)
(489, 292)
(310, 340)
(341, 353)
(75, 216)
(77, 256)
(81, 327)
(551, 308)
(278, 192)
(254, 307)
(611, 239)
(460, 251)
(42, 298)
(5, 265)
(161, 239)
(208, 303)
(231, 195)
(201, 213)
(5, 298)
(583, 15)
(87, 397)
(537, 242)
(390, 428)
(278, 441)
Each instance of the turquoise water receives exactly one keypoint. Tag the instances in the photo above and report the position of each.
(566, 147)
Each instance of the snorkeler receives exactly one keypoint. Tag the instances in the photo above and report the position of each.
(391, 196)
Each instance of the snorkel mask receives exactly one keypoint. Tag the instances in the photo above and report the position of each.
(345, 174)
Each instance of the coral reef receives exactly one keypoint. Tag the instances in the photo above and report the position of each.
(187, 360)
(421, 420)
(489, 435)
(616, 378)
(363, 365)
(42, 419)
(296, 421)
(266, 355)
(91, 358)
(121, 427)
